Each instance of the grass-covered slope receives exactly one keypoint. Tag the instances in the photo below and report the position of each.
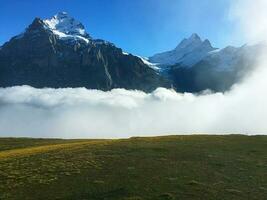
(175, 167)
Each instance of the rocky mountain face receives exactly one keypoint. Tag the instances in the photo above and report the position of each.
(58, 52)
(195, 65)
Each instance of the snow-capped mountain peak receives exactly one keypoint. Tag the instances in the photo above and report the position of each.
(193, 40)
(66, 27)
(187, 53)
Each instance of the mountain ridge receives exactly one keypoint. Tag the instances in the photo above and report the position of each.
(58, 52)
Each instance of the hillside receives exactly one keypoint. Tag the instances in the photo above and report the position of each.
(174, 167)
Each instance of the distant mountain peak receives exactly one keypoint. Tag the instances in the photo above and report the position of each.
(194, 36)
(193, 40)
(188, 52)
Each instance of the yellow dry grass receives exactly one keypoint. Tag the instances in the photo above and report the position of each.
(23, 152)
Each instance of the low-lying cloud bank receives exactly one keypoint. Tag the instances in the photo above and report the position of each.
(26, 111)
(82, 113)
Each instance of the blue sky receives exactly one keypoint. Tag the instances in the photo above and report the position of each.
(142, 27)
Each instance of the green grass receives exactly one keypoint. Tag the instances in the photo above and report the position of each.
(160, 168)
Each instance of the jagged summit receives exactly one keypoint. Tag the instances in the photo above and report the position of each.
(195, 36)
(62, 25)
(188, 52)
(66, 27)
(192, 40)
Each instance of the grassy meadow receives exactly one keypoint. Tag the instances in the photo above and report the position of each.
(194, 167)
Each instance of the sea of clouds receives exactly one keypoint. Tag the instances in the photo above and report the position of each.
(120, 113)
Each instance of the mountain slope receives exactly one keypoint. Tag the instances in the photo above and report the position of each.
(58, 52)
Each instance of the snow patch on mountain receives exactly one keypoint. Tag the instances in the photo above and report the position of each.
(151, 65)
(125, 53)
